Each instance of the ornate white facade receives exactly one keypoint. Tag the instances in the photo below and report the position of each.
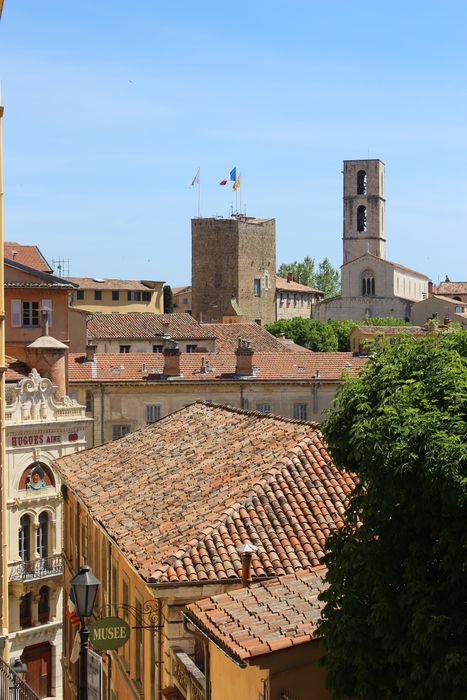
(39, 429)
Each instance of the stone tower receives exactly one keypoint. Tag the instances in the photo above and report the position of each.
(233, 269)
(363, 209)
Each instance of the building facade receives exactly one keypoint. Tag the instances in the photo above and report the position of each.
(39, 429)
(182, 300)
(106, 296)
(233, 266)
(294, 299)
(371, 285)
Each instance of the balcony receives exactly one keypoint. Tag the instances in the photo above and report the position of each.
(36, 569)
(186, 676)
(12, 686)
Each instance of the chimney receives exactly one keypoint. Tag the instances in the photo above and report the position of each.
(289, 277)
(90, 352)
(49, 357)
(244, 355)
(171, 354)
(281, 336)
(430, 288)
(246, 551)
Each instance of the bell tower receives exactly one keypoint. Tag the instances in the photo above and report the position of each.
(364, 226)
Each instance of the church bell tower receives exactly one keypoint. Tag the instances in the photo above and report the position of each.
(363, 209)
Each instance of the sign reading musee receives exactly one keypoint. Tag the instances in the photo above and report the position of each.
(109, 633)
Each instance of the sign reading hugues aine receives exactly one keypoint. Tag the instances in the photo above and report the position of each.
(109, 633)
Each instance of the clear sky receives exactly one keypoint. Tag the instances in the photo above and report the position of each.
(111, 107)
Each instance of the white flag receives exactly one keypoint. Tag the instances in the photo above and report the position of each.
(74, 656)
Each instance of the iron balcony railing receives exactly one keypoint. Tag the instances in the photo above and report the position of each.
(12, 687)
(37, 568)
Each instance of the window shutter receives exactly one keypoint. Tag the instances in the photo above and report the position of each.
(16, 313)
(46, 304)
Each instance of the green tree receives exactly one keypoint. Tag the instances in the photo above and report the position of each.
(168, 299)
(327, 279)
(308, 332)
(342, 330)
(394, 621)
(303, 272)
(384, 321)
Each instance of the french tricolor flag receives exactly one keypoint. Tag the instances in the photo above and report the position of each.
(232, 177)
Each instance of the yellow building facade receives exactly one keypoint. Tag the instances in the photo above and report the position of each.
(97, 295)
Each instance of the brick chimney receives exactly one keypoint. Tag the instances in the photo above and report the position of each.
(244, 361)
(246, 552)
(430, 288)
(90, 352)
(171, 354)
(290, 277)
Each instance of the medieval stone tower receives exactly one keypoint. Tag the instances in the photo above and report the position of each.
(363, 209)
(233, 269)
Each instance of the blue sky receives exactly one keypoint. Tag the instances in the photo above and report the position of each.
(111, 107)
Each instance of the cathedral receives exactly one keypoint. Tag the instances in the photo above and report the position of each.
(370, 284)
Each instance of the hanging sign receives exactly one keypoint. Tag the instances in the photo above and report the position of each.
(94, 676)
(109, 633)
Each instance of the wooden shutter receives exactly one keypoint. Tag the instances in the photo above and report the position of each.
(46, 304)
(16, 320)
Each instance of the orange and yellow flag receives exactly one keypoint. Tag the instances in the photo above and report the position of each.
(236, 184)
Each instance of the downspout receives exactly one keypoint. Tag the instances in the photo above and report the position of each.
(102, 414)
(159, 632)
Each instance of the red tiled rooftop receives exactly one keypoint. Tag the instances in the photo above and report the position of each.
(391, 330)
(283, 285)
(269, 366)
(240, 622)
(29, 255)
(180, 496)
(146, 325)
(16, 369)
(447, 288)
(227, 335)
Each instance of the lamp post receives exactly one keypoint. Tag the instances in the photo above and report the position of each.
(19, 669)
(85, 586)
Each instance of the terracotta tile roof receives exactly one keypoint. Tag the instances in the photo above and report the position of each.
(16, 369)
(447, 288)
(284, 286)
(181, 495)
(93, 283)
(390, 330)
(38, 285)
(227, 335)
(146, 325)
(29, 255)
(180, 290)
(264, 618)
(269, 366)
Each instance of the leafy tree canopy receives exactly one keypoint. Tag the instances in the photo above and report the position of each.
(333, 335)
(394, 621)
(322, 276)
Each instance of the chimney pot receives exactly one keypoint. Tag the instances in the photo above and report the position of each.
(90, 352)
(244, 358)
(171, 354)
(246, 551)
(289, 277)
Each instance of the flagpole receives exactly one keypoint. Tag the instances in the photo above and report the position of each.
(240, 188)
(199, 193)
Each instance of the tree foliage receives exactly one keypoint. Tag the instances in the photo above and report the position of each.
(322, 276)
(168, 299)
(333, 335)
(394, 621)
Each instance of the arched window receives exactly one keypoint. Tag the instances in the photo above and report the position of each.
(25, 611)
(44, 607)
(362, 182)
(361, 218)
(24, 542)
(43, 535)
(368, 283)
(36, 477)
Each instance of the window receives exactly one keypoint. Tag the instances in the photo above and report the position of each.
(24, 548)
(80, 294)
(125, 348)
(185, 300)
(263, 407)
(30, 312)
(153, 413)
(74, 395)
(25, 611)
(97, 295)
(459, 309)
(157, 348)
(191, 348)
(115, 295)
(146, 296)
(43, 535)
(43, 607)
(89, 401)
(256, 287)
(368, 283)
(362, 182)
(300, 411)
(258, 321)
(119, 431)
(134, 296)
(361, 218)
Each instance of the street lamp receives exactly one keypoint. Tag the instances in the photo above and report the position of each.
(19, 669)
(85, 586)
